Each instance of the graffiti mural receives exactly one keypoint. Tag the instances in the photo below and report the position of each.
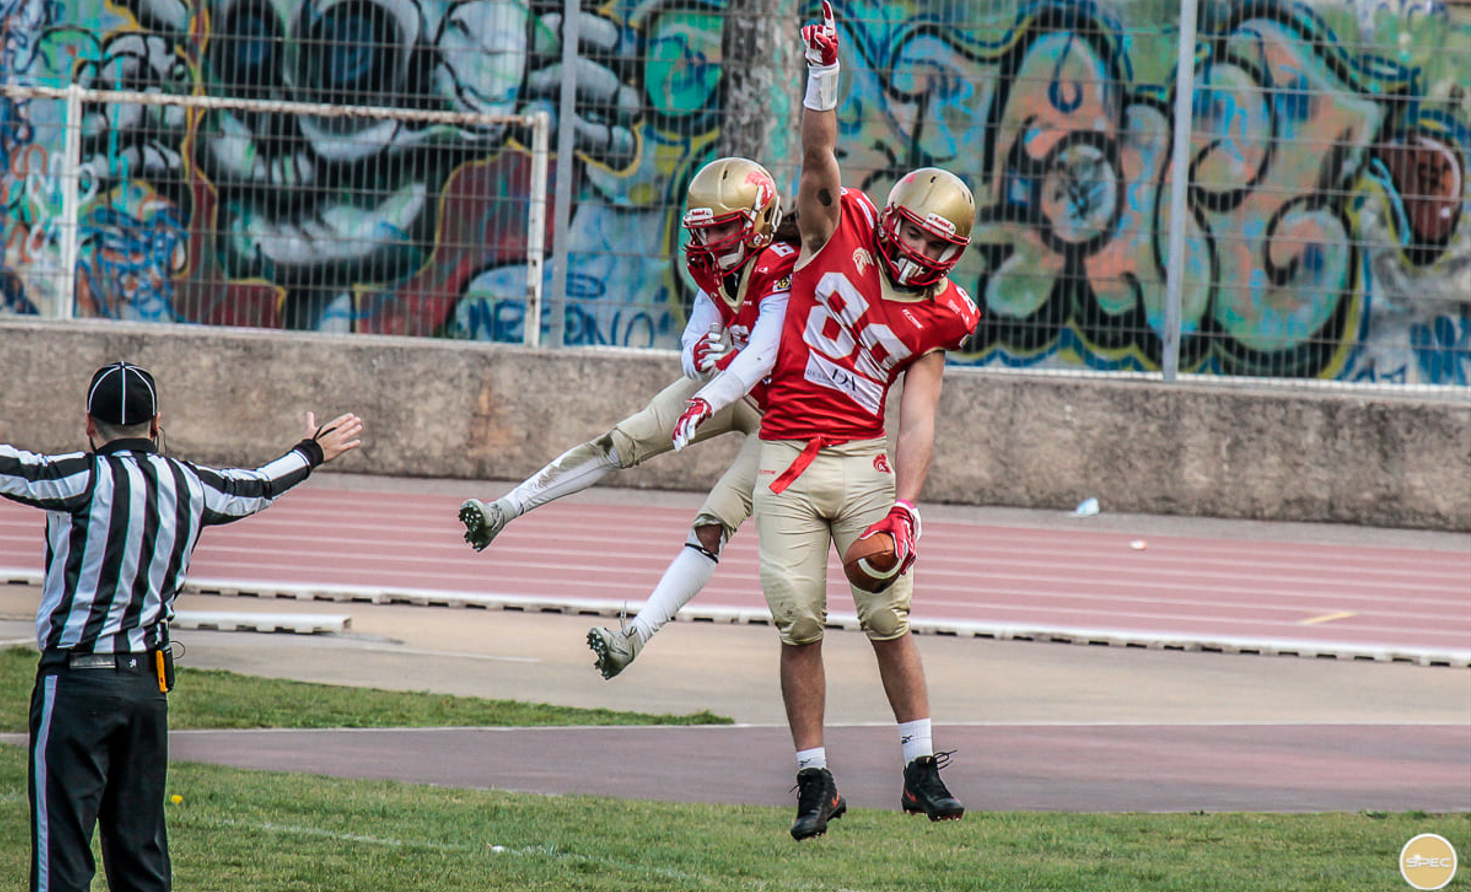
(1294, 148)
(1325, 232)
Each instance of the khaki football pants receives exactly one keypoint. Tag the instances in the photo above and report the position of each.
(846, 489)
(650, 431)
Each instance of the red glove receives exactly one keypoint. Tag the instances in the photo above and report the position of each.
(902, 523)
(820, 42)
(696, 412)
(711, 352)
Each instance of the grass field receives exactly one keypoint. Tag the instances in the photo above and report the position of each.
(245, 831)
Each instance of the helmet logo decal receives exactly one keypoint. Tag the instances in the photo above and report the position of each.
(936, 223)
(765, 188)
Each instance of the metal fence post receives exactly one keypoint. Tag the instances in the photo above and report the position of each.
(1179, 189)
(536, 224)
(70, 181)
(562, 205)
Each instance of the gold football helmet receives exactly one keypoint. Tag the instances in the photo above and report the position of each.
(729, 191)
(940, 205)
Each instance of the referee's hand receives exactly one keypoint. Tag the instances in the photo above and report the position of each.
(336, 436)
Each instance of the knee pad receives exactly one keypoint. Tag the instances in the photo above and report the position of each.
(803, 630)
(885, 624)
(607, 447)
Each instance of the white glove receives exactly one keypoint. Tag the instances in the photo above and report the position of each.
(696, 413)
(711, 352)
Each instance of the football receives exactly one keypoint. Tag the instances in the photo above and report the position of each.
(871, 564)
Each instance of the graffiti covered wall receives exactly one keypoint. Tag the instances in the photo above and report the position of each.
(1325, 232)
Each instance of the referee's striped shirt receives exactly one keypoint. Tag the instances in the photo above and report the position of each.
(121, 527)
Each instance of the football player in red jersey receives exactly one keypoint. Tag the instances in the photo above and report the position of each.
(870, 301)
(741, 258)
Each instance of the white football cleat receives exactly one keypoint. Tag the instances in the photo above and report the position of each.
(484, 522)
(615, 650)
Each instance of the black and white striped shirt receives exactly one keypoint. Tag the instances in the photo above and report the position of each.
(121, 527)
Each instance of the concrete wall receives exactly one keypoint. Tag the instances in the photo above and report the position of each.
(479, 411)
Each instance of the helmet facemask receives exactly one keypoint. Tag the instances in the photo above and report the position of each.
(725, 254)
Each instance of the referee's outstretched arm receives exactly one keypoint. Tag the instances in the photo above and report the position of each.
(123, 520)
(236, 493)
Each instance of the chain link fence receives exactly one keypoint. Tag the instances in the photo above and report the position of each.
(1319, 233)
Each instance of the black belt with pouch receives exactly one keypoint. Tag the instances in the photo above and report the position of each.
(160, 660)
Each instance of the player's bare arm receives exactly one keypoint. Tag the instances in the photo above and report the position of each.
(915, 441)
(820, 184)
(913, 448)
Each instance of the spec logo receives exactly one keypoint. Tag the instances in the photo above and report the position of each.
(1427, 862)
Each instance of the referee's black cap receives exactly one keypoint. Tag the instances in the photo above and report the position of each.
(122, 394)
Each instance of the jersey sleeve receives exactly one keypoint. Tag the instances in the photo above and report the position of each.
(53, 482)
(703, 314)
(753, 363)
(964, 317)
(235, 493)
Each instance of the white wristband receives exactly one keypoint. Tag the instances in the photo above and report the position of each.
(822, 87)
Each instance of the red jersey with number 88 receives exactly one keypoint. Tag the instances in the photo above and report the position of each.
(849, 334)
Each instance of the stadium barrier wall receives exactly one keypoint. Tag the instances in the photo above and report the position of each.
(478, 411)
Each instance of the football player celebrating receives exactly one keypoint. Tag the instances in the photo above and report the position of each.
(870, 301)
(742, 265)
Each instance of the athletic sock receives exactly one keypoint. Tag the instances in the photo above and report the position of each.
(916, 739)
(813, 758)
(572, 471)
(689, 572)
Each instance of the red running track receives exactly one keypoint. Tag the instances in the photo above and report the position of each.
(983, 579)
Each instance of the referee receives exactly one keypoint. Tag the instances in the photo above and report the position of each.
(121, 525)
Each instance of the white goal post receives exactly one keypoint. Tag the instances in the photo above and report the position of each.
(74, 95)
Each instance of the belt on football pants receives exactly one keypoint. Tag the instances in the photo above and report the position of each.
(800, 463)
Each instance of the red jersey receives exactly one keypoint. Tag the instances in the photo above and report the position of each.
(849, 334)
(770, 273)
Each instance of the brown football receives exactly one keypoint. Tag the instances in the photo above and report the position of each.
(871, 564)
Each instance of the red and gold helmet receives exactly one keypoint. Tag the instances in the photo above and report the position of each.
(941, 206)
(725, 191)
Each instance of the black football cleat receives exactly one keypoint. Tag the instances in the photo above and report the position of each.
(925, 793)
(818, 801)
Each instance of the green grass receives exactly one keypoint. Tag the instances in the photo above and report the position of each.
(247, 831)
(251, 831)
(211, 698)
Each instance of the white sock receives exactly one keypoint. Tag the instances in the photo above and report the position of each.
(686, 575)
(916, 739)
(572, 471)
(813, 758)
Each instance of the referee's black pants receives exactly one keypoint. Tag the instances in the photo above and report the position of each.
(98, 757)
